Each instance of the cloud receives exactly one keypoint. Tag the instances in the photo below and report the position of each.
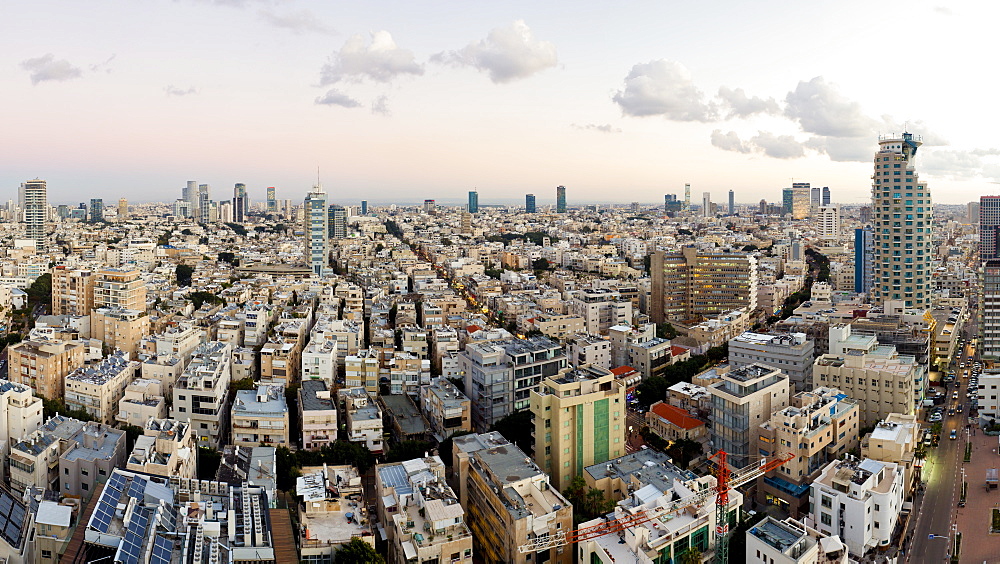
(603, 128)
(172, 90)
(380, 106)
(663, 88)
(300, 22)
(742, 107)
(948, 163)
(507, 54)
(334, 97)
(778, 146)
(821, 109)
(105, 66)
(44, 68)
(381, 60)
(730, 142)
(943, 10)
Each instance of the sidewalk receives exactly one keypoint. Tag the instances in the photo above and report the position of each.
(978, 545)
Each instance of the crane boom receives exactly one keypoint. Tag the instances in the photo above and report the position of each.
(638, 517)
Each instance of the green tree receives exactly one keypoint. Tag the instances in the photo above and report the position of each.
(652, 390)
(407, 450)
(40, 291)
(200, 298)
(683, 451)
(183, 273)
(51, 407)
(665, 331)
(243, 384)
(516, 428)
(540, 264)
(690, 556)
(357, 552)
(588, 503)
(229, 257)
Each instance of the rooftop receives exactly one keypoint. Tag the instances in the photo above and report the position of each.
(310, 401)
(265, 401)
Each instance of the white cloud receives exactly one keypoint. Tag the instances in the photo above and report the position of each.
(948, 163)
(44, 68)
(741, 106)
(380, 106)
(778, 146)
(844, 149)
(105, 66)
(507, 54)
(821, 109)
(381, 60)
(334, 97)
(299, 22)
(603, 128)
(663, 88)
(172, 90)
(730, 142)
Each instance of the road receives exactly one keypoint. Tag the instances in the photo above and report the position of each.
(941, 476)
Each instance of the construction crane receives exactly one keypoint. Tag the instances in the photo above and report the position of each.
(726, 481)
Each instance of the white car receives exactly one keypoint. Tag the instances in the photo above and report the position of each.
(935, 417)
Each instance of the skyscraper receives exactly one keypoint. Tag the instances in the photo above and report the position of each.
(687, 197)
(430, 206)
(990, 317)
(529, 203)
(816, 197)
(787, 201)
(989, 226)
(122, 209)
(272, 203)
(337, 221)
(706, 204)
(364, 207)
(204, 202)
(317, 228)
(801, 194)
(473, 201)
(96, 209)
(34, 194)
(241, 203)
(732, 203)
(190, 195)
(826, 196)
(829, 222)
(904, 225)
(864, 250)
(560, 199)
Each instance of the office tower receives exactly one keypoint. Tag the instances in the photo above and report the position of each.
(241, 203)
(829, 222)
(787, 201)
(800, 200)
(671, 204)
(122, 209)
(473, 202)
(864, 255)
(865, 214)
(815, 197)
(972, 212)
(690, 285)
(317, 228)
(762, 207)
(687, 197)
(560, 199)
(272, 204)
(62, 212)
(634, 207)
(826, 196)
(223, 212)
(430, 206)
(706, 204)
(742, 399)
(190, 194)
(34, 195)
(338, 222)
(904, 225)
(364, 207)
(204, 203)
(182, 208)
(990, 317)
(96, 209)
(732, 203)
(989, 226)
(529, 203)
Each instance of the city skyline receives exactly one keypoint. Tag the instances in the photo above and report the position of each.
(512, 101)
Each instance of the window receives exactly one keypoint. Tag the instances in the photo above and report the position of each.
(46, 554)
(826, 519)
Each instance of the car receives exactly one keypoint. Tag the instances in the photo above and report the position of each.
(954, 395)
(953, 435)
(935, 417)
(951, 412)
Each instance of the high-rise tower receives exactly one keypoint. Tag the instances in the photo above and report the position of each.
(122, 209)
(337, 221)
(204, 202)
(864, 253)
(529, 203)
(190, 195)
(240, 203)
(364, 207)
(706, 204)
(732, 203)
(989, 226)
(687, 197)
(473, 201)
(96, 209)
(560, 199)
(34, 194)
(317, 227)
(826, 196)
(903, 222)
(272, 203)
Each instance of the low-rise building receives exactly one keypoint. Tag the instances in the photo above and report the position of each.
(119, 328)
(790, 353)
(318, 415)
(363, 418)
(98, 388)
(332, 511)
(895, 439)
(319, 362)
(675, 423)
(143, 400)
(403, 418)
(260, 417)
(446, 409)
(791, 542)
(165, 448)
(43, 364)
(53, 530)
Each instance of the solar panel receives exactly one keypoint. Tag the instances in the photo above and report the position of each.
(162, 549)
(137, 488)
(117, 482)
(11, 518)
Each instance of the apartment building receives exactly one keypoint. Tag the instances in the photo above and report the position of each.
(348, 334)
(122, 289)
(97, 388)
(791, 542)
(500, 375)
(143, 399)
(422, 516)
(579, 418)
(623, 336)
(689, 286)
(558, 326)
(280, 363)
(858, 500)
(72, 291)
(260, 417)
(362, 370)
(201, 393)
(590, 350)
(166, 448)
(328, 512)
(446, 408)
(363, 418)
(53, 530)
(317, 414)
(600, 308)
(319, 362)
(119, 328)
(792, 354)
(20, 414)
(508, 500)
(819, 426)
(650, 357)
(165, 369)
(742, 399)
(176, 340)
(43, 364)
(895, 439)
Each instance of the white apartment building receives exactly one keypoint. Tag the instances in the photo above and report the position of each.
(318, 414)
(319, 361)
(791, 542)
(178, 341)
(791, 353)
(858, 500)
(98, 388)
(201, 393)
(363, 417)
(829, 222)
(166, 448)
(143, 400)
(601, 309)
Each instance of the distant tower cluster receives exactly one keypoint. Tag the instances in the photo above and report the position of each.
(241, 203)
(272, 202)
(904, 225)
(560, 199)
(35, 203)
(529, 203)
(473, 201)
(316, 226)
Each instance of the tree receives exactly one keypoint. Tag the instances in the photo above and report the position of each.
(516, 428)
(51, 407)
(588, 503)
(446, 447)
(40, 291)
(183, 273)
(131, 434)
(243, 384)
(652, 390)
(407, 450)
(200, 298)
(208, 463)
(665, 331)
(226, 256)
(690, 556)
(357, 552)
(683, 451)
(540, 264)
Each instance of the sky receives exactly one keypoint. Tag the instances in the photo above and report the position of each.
(402, 101)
